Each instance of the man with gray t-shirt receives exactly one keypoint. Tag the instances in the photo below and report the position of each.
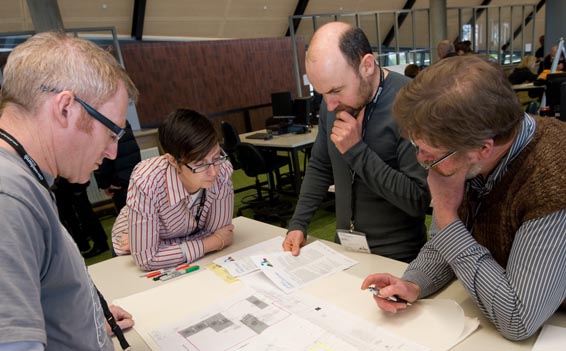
(48, 129)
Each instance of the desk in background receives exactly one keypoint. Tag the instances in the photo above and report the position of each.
(527, 87)
(286, 142)
(119, 277)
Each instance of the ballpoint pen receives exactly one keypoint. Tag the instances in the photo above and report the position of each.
(176, 274)
(393, 298)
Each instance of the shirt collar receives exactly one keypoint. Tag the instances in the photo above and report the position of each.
(523, 138)
(176, 192)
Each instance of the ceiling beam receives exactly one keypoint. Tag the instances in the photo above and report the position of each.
(138, 19)
(528, 19)
(299, 11)
(400, 19)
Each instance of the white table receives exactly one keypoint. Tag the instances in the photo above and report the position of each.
(286, 142)
(119, 277)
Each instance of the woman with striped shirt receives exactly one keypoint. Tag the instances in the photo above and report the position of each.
(180, 204)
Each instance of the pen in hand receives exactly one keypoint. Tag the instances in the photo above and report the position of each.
(393, 298)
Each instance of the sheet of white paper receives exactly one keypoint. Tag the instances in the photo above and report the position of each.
(551, 338)
(175, 300)
(338, 322)
(239, 263)
(250, 321)
(223, 326)
(290, 272)
(438, 324)
(183, 315)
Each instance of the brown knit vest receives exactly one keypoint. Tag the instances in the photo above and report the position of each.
(533, 186)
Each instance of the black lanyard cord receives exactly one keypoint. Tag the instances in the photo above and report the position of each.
(112, 322)
(199, 211)
(32, 165)
(367, 116)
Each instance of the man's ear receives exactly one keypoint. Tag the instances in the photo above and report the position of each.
(486, 150)
(367, 65)
(63, 108)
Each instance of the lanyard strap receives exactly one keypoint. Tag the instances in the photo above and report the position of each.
(15, 144)
(199, 211)
(367, 116)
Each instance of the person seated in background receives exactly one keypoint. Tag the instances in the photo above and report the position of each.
(544, 68)
(525, 71)
(497, 181)
(412, 70)
(113, 176)
(180, 204)
(445, 49)
(463, 48)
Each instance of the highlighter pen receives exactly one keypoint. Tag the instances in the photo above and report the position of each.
(178, 273)
(393, 298)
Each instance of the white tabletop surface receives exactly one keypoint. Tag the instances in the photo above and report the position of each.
(289, 140)
(119, 277)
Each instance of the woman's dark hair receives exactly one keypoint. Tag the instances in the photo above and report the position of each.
(187, 135)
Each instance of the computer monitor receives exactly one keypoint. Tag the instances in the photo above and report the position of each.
(554, 83)
(302, 110)
(282, 105)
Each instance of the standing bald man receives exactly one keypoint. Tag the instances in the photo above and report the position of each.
(381, 191)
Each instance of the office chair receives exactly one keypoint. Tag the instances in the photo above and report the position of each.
(253, 163)
(231, 139)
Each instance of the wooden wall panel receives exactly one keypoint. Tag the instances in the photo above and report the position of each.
(209, 76)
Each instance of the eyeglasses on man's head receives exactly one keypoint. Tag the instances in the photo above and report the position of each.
(204, 167)
(116, 130)
(430, 164)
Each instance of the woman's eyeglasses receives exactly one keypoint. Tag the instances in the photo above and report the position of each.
(204, 167)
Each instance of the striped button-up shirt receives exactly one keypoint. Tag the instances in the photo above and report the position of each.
(160, 215)
(518, 298)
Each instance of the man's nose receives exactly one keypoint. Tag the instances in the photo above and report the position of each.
(331, 102)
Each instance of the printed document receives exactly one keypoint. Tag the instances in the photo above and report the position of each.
(290, 273)
(239, 263)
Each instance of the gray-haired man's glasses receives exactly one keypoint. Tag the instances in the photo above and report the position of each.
(117, 131)
(430, 164)
(216, 162)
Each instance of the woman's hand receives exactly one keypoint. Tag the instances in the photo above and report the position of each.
(219, 239)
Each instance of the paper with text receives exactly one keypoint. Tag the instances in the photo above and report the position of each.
(290, 272)
(239, 263)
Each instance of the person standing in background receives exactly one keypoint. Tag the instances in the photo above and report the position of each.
(113, 176)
